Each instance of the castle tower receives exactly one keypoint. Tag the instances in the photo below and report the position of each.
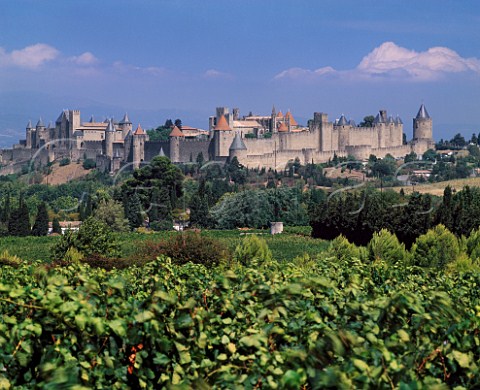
(39, 133)
(125, 125)
(222, 137)
(343, 133)
(30, 131)
(273, 121)
(109, 138)
(237, 149)
(74, 123)
(138, 145)
(175, 136)
(422, 125)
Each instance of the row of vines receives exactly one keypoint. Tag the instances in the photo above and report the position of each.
(312, 323)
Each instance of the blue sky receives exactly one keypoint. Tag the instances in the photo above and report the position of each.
(166, 59)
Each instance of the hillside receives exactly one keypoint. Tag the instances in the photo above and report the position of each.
(64, 174)
(437, 188)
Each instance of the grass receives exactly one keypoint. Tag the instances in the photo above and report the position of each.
(437, 188)
(292, 243)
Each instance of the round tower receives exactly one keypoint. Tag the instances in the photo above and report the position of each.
(238, 149)
(125, 125)
(343, 133)
(222, 137)
(29, 135)
(175, 136)
(422, 125)
(138, 146)
(109, 137)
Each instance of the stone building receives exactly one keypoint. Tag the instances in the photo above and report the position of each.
(269, 141)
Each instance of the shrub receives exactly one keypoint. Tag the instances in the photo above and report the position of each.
(252, 248)
(64, 161)
(473, 245)
(108, 263)
(343, 250)
(386, 247)
(186, 247)
(89, 163)
(93, 236)
(10, 260)
(436, 248)
(462, 264)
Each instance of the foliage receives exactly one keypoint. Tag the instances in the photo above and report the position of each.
(40, 227)
(19, 220)
(11, 260)
(186, 247)
(252, 249)
(335, 325)
(89, 163)
(56, 228)
(94, 236)
(133, 210)
(437, 248)
(342, 250)
(112, 214)
(64, 161)
(385, 246)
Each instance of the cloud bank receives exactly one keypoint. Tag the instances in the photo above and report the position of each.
(390, 61)
(30, 57)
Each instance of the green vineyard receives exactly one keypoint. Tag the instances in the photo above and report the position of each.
(317, 322)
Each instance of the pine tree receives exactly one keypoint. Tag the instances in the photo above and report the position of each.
(40, 227)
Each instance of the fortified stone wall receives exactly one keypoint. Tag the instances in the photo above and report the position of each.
(192, 148)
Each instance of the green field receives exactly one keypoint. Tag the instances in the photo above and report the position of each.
(284, 247)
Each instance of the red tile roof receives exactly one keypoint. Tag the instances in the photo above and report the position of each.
(293, 122)
(222, 124)
(176, 132)
(283, 127)
(139, 131)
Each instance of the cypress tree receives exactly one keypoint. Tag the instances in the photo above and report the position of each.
(56, 228)
(154, 204)
(199, 207)
(19, 221)
(133, 210)
(40, 227)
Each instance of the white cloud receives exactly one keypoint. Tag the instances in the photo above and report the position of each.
(390, 61)
(30, 57)
(85, 59)
(216, 74)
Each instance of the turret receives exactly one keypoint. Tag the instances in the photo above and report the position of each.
(109, 138)
(125, 125)
(139, 138)
(29, 136)
(175, 136)
(343, 133)
(422, 125)
(223, 137)
(238, 149)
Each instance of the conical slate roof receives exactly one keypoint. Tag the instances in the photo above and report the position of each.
(40, 123)
(222, 124)
(422, 113)
(61, 116)
(92, 119)
(390, 119)
(352, 123)
(176, 132)
(110, 128)
(398, 121)
(139, 130)
(29, 124)
(342, 121)
(378, 119)
(161, 153)
(125, 120)
(237, 143)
